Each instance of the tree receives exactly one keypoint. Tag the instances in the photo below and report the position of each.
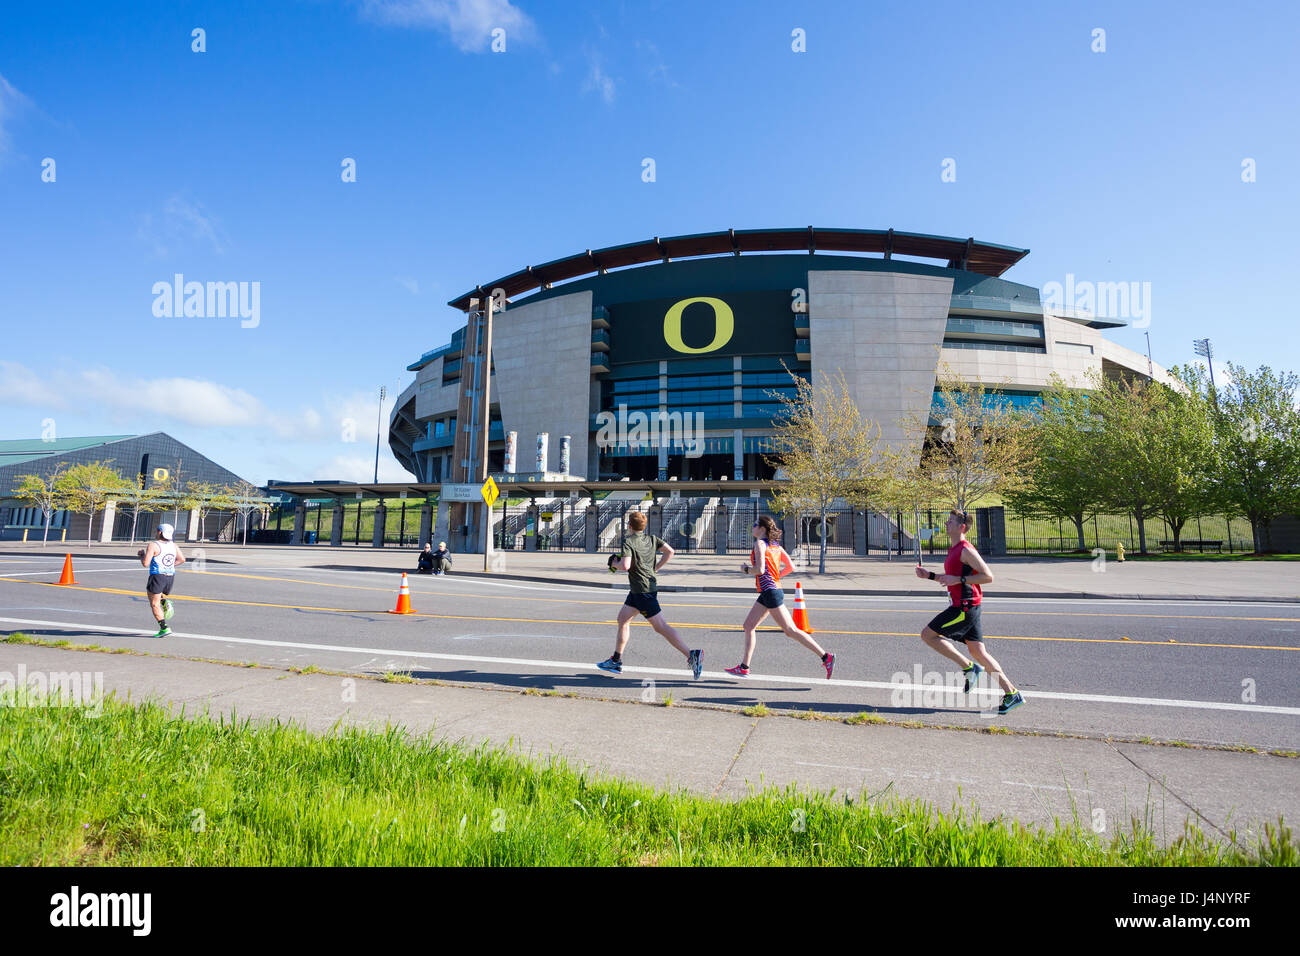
(1184, 484)
(246, 498)
(1257, 431)
(1064, 479)
(207, 498)
(825, 450)
(87, 487)
(1157, 449)
(980, 446)
(45, 493)
(138, 498)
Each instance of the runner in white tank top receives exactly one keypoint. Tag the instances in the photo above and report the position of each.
(161, 558)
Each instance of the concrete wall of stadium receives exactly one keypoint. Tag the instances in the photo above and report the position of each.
(880, 324)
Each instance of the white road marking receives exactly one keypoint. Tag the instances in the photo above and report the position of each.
(672, 672)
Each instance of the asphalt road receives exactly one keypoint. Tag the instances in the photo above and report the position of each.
(1209, 673)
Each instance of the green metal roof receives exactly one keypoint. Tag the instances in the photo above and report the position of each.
(15, 451)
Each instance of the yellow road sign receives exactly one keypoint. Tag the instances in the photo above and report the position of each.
(490, 491)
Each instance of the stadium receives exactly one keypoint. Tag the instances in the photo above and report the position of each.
(701, 328)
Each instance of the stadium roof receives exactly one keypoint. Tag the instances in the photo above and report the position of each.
(18, 450)
(983, 257)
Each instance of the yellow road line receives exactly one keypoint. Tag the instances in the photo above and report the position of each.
(837, 610)
(639, 623)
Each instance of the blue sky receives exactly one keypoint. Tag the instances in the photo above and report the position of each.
(1123, 165)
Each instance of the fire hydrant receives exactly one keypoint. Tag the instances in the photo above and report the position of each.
(1119, 548)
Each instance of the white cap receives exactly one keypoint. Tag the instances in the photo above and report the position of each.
(166, 531)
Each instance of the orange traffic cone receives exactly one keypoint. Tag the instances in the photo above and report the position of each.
(66, 576)
(801, 610)
(403, 598)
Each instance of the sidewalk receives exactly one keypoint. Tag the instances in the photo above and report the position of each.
(1209, 580)
(723, 753)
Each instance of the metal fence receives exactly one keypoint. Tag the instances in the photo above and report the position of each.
(1204, 534)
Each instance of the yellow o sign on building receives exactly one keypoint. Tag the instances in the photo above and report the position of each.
(160, 474)
(724, 325)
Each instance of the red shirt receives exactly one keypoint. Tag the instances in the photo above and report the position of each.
(962, 595)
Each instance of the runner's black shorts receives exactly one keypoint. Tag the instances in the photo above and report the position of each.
(772, 598)
(647, 604)
(958, 624)
(159, 584)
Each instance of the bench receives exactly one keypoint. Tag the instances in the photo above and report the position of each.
(1193, 544)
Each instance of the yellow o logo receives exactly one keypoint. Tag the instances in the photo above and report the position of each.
(724, 324)
(160, 474)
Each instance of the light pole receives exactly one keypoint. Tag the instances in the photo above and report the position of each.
(1205, 348)
(383, 393)
(1150, 371)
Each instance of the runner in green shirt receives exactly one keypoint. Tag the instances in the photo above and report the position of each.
(642, 556)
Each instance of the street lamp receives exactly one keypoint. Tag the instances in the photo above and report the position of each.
(383, 393)
(1205, 349)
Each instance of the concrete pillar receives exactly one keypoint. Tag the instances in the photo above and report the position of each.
(655, 519)
(738, 454)
(591, 530)
(381, 521)
(107, 520)
(194, 532)
(299, 522)
(790, 533)
(859, 532)
(426, 524)
(440, 524)
(721, 528)
(530, 522)
(991, 531)
(336, 524)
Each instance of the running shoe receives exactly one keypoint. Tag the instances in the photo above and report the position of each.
(611, 665)
(740, 670)
(972, 672)
(696, 661)
(163, 630)
(1010, 702)
(830, 664)
(168, 609)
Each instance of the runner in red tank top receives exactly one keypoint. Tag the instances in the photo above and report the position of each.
(964, 574)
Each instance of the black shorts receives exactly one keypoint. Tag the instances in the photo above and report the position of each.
(647, 604)
(771, 599)
(958, 624)
(159, 584)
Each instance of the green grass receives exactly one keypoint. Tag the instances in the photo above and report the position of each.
(139, 786)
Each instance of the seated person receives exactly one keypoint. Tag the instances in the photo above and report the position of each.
(424, 564)
(441, 559)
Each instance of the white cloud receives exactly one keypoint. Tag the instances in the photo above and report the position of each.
(180, 223)
(598, 80)
(410, 285)
(335, 439)
(20, 385)
(658, 68)
(11, 101)
(360, 468)
(469, 23)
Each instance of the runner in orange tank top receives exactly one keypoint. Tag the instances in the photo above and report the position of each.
(767, 562)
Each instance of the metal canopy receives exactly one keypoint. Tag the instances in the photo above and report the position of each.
(525, 489)
(983, 257)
